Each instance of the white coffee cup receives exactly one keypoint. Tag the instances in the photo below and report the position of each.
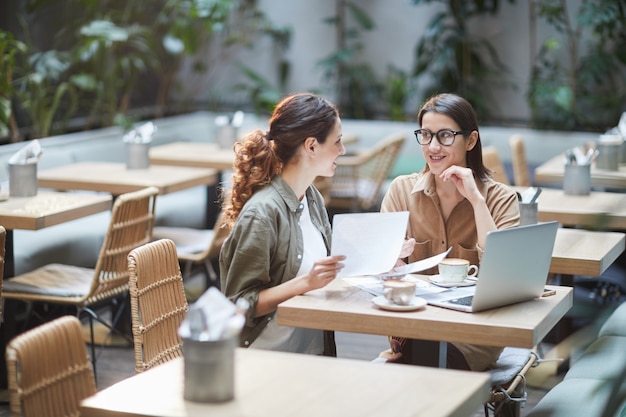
(456, 270)
(399, 292)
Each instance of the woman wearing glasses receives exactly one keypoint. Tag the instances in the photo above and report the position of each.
(453, 202)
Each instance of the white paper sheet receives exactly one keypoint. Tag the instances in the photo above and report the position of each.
(374, 285)
(371, 242)
(418, 266)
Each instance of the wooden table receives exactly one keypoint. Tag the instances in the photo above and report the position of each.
(275, 384)
(598, 210)
(203, 154)
(585, 252)
(192, 154)
(116, 179)
(44, 210)
(343, 307)
(552, 171)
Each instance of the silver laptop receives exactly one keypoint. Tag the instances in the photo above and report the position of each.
(514, 268)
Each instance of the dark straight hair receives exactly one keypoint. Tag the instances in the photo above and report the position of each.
(462, 112)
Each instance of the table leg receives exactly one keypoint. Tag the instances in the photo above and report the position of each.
(429, 353)
(565, 325)
(212, 206)
(214, 201)
(9, 257)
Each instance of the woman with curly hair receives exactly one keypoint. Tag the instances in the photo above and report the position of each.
(279, 245)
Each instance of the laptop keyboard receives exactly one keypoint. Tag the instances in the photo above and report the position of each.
(464, 301)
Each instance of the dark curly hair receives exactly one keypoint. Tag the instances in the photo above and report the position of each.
(261, 155)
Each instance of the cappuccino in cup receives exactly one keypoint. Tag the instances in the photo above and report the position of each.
(456, 270)
(399, 292)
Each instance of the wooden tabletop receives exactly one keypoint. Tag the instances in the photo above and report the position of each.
(598, 210)
(343, 307)
(552, 171)
(116, 179)
(192, 154)
(207, 154)
(276, 384)
(50, 208)
(585, 252)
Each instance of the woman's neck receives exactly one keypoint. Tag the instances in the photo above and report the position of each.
(297, 178)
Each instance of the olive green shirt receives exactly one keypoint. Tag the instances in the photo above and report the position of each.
(417, 194)
(265, 248)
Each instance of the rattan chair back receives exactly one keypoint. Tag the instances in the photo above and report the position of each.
(491, 159)
(358, 181)
(48, 370)
(158, 303)
(521, 173)
(131, 226)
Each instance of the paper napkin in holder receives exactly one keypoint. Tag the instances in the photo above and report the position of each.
(609, 151)
(23, 170)
(138, 146)
(577, 174)
(210, 334)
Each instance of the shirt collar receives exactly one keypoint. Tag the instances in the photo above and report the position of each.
(286, 193)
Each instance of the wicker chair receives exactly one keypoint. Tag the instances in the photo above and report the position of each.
(85, 289)
(521, 173)
(358, 181)
(158, 303)
(197, 246)
(48, 370)
(491, 160)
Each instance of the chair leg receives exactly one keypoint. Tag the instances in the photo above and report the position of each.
(187, 271)
(211, 275)
(92, 315)
(93, 349)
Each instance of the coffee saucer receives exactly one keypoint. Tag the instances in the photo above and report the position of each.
(415, 304)
(436, 279)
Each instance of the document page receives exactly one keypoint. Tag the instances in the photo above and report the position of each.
(371, 242)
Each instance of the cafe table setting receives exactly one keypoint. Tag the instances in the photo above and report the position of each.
(214, 377)
(355, 301)
(600, 165)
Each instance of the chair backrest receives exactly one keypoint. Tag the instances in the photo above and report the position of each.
(220, 233)
(158, 303)
(49, 370)
(491, 160)
(521, 174)
(358, 180)
(131, 225)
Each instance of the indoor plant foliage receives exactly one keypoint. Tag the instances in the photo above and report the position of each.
(354, 81)
(452, 58)
(9, 49)
(116, 57)
(587, 89)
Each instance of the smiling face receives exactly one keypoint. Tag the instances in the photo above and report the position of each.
(440, 157)
(329, 151)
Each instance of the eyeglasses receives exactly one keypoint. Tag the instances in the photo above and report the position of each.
(444, 136)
